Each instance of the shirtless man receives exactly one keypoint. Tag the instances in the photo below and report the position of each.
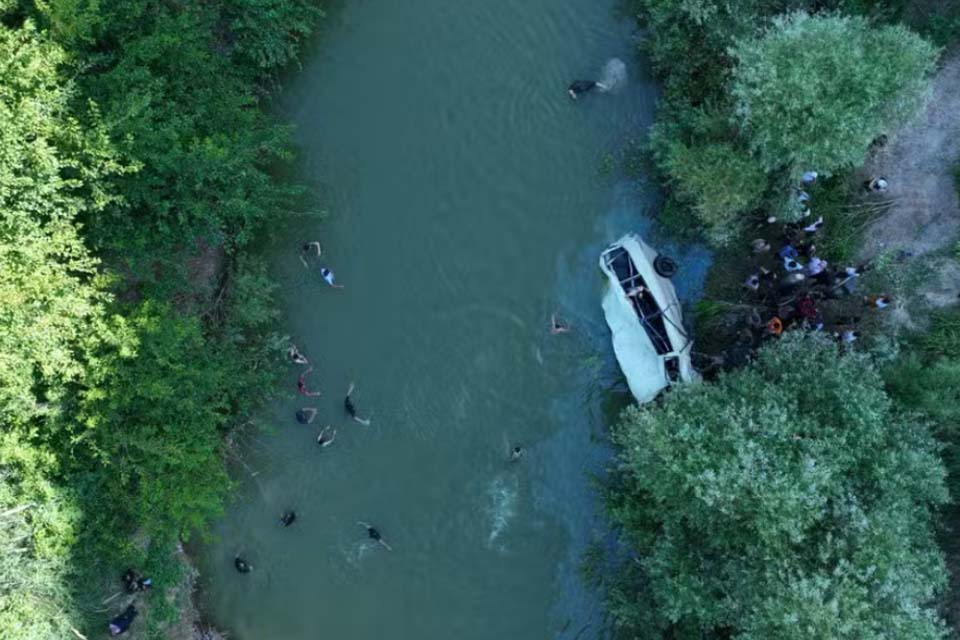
(307, 249)
(578, 87)
(325, 441)
(374, 535)
(556, 326)
(351, 410)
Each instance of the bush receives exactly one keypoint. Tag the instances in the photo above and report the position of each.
(812, 92)
(719, 182)
(786, 500)
(132, 137)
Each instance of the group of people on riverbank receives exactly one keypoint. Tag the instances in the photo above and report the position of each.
(792, 287)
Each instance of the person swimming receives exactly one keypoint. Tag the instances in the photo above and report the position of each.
(351, 410)
(328, 277)
(242, 565)
(516, 453)
(374, 535)
(306, 415)
(302, 384)
(307, 250)
(325, 441)
(556, 326)
(288, 518)
(295, 356)
(578, 87)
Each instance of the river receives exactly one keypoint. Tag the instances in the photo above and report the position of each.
(467, 202)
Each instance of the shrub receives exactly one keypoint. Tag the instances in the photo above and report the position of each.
(814, 91)
(720, 183)
(786, 500)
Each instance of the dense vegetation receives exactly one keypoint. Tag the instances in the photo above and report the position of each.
(790, 499)
(758, 92)
(802, 496)
(137, 165)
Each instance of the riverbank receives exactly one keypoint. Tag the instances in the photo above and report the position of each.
(704, 128)
(141, 167)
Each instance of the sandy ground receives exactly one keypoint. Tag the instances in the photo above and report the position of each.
(919, 164)
(921, 208)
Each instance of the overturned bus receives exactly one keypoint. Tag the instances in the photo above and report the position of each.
(644, 316)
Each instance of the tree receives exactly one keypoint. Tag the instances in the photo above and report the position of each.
(812, 92)
(786, 500)
(719, 182)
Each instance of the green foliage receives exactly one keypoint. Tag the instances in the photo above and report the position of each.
(187, 118)
(269, 33)
(943, 338)
(132, 140)
(926, 378)
(719, 182)
(814, 91)
(688, 41)
(787, 500)
(50, 172)
(39, 522)
(150, 419)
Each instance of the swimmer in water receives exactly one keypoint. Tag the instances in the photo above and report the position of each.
(516, 453)
(325, 441)
(556, 326)
(306, 415)
(375, 535)
(302, 384)
(307, 249)
(352, 410)
(327, 276)
(242, 565)
(295, 356)
(288, 518)
(578, 87)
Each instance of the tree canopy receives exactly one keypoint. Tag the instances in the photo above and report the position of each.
(786, 500)
(812, 92)
(131, 140)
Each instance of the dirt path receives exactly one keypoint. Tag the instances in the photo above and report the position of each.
(919, 164)
(921, 207)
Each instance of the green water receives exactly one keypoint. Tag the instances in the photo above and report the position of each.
(466, 204)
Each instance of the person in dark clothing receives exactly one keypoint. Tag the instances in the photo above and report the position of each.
(242, 565)
(351, 410)
(578, 87)
(306, 415)
(134, 582)
(325, 440)
(130, 580)
(122, 622)
(374, 535)
(516, 453)
(288, 518)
